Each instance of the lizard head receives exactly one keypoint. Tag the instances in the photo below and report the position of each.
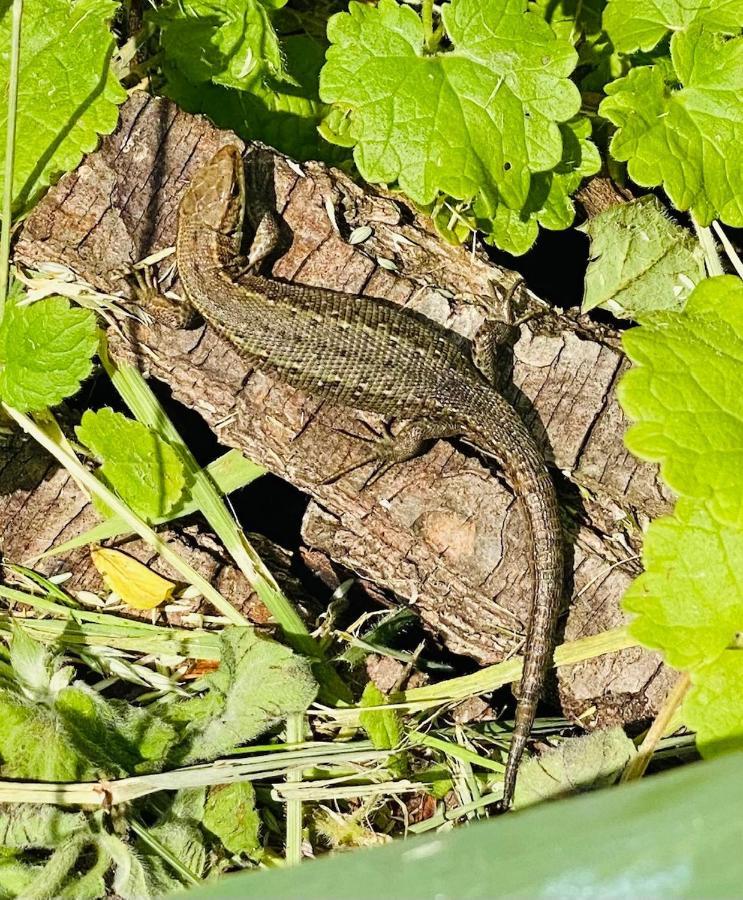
(216, 196)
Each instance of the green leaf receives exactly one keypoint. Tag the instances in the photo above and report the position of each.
(685, 135)
(46, 350)
(232, 43)
(640, 261)
(68, 95)
(639, 25)
(143, 469)
(226, 61)
(577, 764)
(382, 725)
(689, 600)
(26, 825)
(259, 682)
(713, 708)
(549, 202)
(232, 817)
(683, 393)
(661, 836)
(476, 121)
(51, 731)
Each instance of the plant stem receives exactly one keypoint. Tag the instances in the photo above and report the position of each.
(15, 53)
(711, 256)
(294, 735)
(52, 443)
(638, 764)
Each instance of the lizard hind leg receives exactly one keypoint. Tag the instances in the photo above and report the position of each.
(391, 449)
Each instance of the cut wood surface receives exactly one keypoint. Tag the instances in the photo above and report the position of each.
(441, 533)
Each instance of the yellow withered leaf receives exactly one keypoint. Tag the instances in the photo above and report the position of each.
(137, 585)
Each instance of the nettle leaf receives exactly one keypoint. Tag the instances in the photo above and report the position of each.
(684, 395)
(639, 25)
(713, 708)
(584, 763)
(145, 470)
(640, 261)
(68, 95)
(689, 600)
(475, 122)
(258, 683)
(685, 136)
(232, 43)
(46, 351)
(549, 202)
(227, 61)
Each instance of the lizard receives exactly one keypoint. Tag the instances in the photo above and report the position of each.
(371, 355)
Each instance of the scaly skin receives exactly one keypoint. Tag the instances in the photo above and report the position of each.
(372, 355)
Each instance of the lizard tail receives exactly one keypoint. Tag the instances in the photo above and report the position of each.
(541, 506)
(511, 444)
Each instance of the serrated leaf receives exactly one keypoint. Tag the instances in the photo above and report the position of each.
(549, 203)
(259, 682)
(382, 725)
(684, 395)
(46, 351)
(232, 43)
(244, 80)
(640, 25)
(713, 705)
(689, 600)
(640, 260)
(138, 586)
(144, 469)
(231, 816)
(68, 95)
(476, 121)
(577, 764)
(685, 138)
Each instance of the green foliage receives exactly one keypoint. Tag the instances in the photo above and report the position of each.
(476, 123)
(231, 815)
(685, 399)
(658, 837)
(679, 124)
(258, 683)
(637, 25)
(143, 469)
(46, 351)
(576, 764)
(382, 725)
(52, 730)
(640, 260)
(68, 95)
(227, 61)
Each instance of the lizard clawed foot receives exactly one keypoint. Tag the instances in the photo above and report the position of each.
(389, 450)
(378, 459)
(151, 293)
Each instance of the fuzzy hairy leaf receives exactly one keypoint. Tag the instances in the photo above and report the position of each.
(640, 260)
(258, 683)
